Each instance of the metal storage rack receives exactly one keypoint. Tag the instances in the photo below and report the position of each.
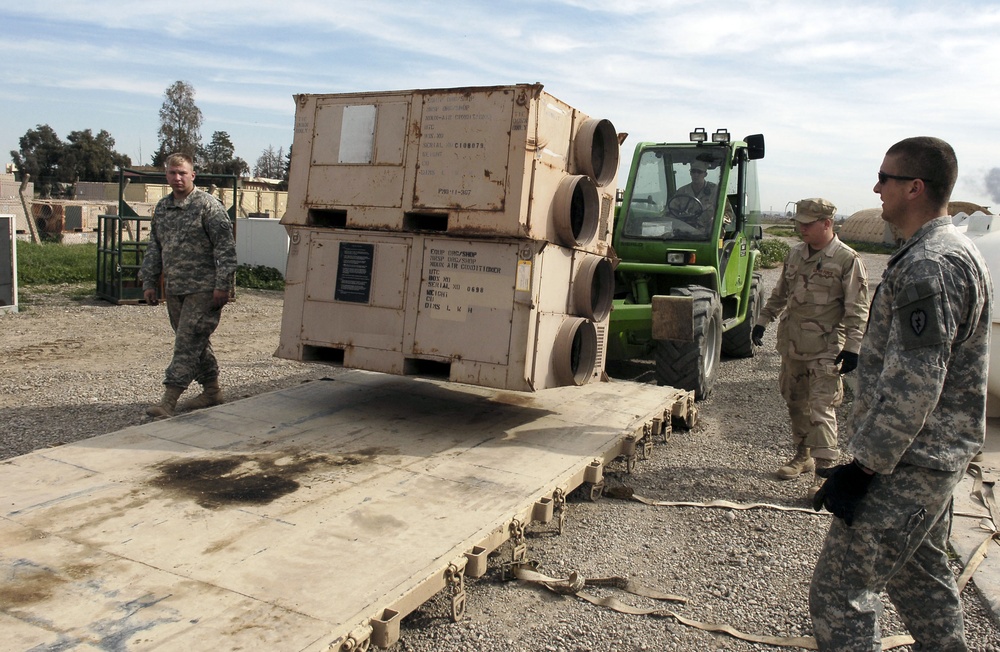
(120, 249)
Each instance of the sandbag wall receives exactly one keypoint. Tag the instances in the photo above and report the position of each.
(456, 233)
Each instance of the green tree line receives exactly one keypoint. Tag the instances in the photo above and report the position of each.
(56, 166)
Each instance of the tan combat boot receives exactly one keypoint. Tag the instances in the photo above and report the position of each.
(165, 408)
(817, 480)
(801, 463)
(211, 394)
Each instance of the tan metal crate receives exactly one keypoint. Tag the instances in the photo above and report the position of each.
(503, 313)
(506, 161)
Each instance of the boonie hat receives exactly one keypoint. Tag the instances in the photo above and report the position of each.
(810, 210)
(699, 165)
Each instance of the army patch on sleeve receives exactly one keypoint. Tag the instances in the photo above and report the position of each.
(918, 315)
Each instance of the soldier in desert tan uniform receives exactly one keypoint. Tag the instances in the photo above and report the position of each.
(821, 304)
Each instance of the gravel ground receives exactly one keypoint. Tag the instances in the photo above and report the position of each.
(73, 369)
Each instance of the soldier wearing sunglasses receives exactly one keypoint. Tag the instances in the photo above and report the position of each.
(919, 417)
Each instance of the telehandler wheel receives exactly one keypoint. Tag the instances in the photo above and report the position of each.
(736, 342)
(693, 365)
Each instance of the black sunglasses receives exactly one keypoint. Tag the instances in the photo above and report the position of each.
(883, 177)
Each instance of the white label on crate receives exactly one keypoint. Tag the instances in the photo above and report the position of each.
(523, 276)
(357, 134)
(463, 279)
(463, 150)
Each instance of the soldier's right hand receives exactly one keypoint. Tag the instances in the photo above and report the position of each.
(149, 296)
(757, 336)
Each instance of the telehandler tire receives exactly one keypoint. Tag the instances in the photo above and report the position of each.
(693, 365)
(736, 342)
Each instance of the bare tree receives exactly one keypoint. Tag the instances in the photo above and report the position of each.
(270, 164)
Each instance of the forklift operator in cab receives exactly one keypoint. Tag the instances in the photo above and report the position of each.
(705, 191)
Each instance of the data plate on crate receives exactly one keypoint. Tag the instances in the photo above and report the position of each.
(295, 519)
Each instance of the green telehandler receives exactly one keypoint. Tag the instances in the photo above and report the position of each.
(686, 237)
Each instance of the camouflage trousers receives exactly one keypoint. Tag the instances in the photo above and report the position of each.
(897, 543)
(194, 318)
(813, 390)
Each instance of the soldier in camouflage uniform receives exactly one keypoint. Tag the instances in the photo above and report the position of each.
(821, 301)
(918, 419)
(191, 243)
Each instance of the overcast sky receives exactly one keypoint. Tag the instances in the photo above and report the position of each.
(830, 84)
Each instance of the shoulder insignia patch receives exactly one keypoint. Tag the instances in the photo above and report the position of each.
(918, 320)
(918, 314)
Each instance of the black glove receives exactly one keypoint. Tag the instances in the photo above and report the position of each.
(757, 335)
(848, 362)
(846, 485)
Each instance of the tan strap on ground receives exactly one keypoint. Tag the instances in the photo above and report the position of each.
(574, 584)
(724, 504)
(983, 491)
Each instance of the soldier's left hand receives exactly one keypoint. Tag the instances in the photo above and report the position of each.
(848, 361)
(844, 488)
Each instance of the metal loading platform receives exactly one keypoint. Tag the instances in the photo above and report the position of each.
(311, 518)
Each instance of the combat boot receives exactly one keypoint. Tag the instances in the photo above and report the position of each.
(211, 394)
(168, 404)
(817, 479)
(801, 463)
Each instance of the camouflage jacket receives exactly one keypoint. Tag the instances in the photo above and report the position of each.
(821, 302)
(192, 244)
(921, 396)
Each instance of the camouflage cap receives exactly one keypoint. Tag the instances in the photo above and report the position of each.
(811, 210)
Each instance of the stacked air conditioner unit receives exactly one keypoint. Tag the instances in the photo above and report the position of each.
(456, 233)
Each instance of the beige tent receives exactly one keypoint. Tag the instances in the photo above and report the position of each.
(867, 225)
(967, 207)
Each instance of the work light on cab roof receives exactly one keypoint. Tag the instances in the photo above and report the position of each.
(699, 135)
